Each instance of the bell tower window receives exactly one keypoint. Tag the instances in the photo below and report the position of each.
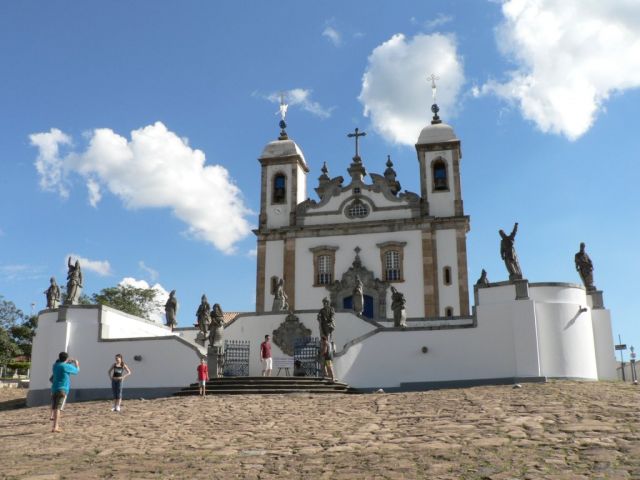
(440, 179)
(279, 194)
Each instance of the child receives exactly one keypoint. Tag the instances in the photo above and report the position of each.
(203, 376)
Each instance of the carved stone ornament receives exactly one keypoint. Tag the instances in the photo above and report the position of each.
(286, 334)
(372, 286)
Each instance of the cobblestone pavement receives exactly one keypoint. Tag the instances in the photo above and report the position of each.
(558, 430)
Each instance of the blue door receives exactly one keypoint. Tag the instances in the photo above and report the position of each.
(347, 304)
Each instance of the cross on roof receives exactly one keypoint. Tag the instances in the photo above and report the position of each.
(356, 135)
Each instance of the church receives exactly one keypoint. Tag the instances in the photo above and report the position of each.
(362, 244)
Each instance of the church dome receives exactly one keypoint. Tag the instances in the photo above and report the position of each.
(437, 133)
(282, 148)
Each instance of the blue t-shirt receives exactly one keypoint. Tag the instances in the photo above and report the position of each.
(61, 372)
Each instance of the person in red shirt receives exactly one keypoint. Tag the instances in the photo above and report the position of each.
(203, 376)
(265, 357)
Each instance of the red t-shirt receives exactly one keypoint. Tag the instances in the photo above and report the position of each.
(265, 350)
(203, 372)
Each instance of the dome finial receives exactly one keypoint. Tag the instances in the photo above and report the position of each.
(434, 107)
(283, 114)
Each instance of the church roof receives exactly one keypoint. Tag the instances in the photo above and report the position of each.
(282, 148)
(437, 133)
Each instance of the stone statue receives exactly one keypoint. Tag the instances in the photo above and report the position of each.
(53, 294)
(280, 299)
(203, 316)
(508, 253)
(483, 280)
(357, 297)
(74, 282)
(326, 319)
(216, 327)
(171, 310)
(398, 304)
(584, 266)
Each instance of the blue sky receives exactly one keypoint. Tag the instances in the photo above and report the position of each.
(544, 98)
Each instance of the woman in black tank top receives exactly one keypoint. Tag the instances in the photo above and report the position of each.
(117, 373)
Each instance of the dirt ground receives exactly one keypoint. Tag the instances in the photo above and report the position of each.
(558, 430)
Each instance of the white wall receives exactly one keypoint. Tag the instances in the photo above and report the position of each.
(309, 297)
(278, 214)
(113, 326)
(603, 339)
(447, 253)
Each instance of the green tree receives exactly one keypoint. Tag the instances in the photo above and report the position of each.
(8, 349)
(22, 335)
(10, 315)
(140, 302)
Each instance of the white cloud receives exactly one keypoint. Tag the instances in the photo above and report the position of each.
(395, 91)
(570, 56)
(301, 97)
(153, 274)
(333, 35)
(439, 20)
(162, 295)
(49, 164)
(21, 272)
(155, 169)
(252, 253)
(101, 267)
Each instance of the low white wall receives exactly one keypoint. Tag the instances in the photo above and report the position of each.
(603, 339)
(115, 325)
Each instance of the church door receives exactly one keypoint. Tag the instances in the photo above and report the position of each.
(347, 304)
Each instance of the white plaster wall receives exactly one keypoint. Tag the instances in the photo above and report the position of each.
(603, 341)
(566, 341)
(255, 327)
(372, 217)
(302, 184)
(448, 295)
(166, 360)
(278, 214)
(274, 265)
(387, 359)
(441, 203)
(309, 297)
(498, 294)
(113, 326)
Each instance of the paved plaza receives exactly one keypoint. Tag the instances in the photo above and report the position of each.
(557, 430)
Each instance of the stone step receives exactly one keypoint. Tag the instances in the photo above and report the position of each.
(268, 385)
(260, 391)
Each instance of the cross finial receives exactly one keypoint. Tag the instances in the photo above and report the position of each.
(434, 107)
(356, 135)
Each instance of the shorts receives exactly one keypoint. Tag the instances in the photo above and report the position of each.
(267, 363)
(57, 399)
(116, 388)
(202, 383)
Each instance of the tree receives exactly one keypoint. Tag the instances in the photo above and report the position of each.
(8, 349)
(22, 335)
(140, 302)
(10, 315)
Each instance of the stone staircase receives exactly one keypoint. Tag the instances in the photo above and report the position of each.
(268, 385)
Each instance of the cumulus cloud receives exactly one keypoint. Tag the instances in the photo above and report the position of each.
(570, 56)
(101, 267)
(49, 164)
(162, 296)
(154, 169)
(395, 91)
(333, 35)
(301, 97)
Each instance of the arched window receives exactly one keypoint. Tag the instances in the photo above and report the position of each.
(392, 265)
(357, 209)
(448, 312)
(446, 275)
(440, 180)
(279, 194)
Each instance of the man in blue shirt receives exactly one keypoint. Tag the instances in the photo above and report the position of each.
(64, 367)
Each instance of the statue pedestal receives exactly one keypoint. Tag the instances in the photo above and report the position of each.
(597, 301)
(522, 289)
(214, 361)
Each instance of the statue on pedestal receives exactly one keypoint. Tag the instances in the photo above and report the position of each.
(280, 299)
(53, 294)
(398, 304)
(357, 297)
(74, 282)
(483, 280)
(171, 310)
(584, 266)
(202, 315)
(326, 319)
(508, 253)
(216, 326)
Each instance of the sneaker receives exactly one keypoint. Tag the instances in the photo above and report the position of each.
(117, 409)
(113, 409)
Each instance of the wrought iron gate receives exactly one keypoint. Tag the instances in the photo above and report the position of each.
(306, 350)
(236, 358)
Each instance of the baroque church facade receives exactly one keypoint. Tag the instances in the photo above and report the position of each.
(413, 242)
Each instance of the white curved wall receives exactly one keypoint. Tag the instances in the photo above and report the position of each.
(603, 339)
